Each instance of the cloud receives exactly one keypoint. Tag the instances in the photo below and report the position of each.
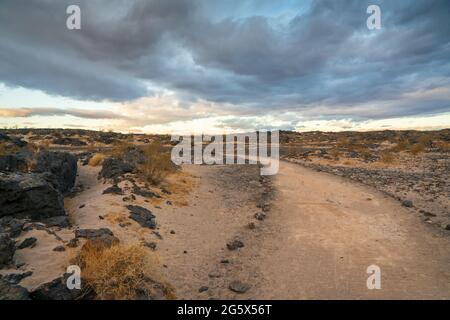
(80, 113)
(239, 58)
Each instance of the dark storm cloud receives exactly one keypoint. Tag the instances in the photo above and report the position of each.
(79, 113)
(323, 55)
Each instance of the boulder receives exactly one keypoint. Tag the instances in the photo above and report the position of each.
(56, 290)
(18, 142)
(133, 156)
(100, 237)
(7, 250)
(9, 291)
(113, 168)
(62, 165)
(15, 278)
(11, 226)
(13, 162)
(29, 195)
(142, 216)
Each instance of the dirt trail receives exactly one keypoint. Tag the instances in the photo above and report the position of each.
(318, 239)
(324, 231)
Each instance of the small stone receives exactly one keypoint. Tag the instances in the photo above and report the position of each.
(185, 251)
(101, 217)
(157, 234)
(447, 227)
(169, 203)
(82, 206)
(73, 243)
(260, 216)
(113, 190)
(238, 286)
(224, 261)
(151, 245)
(235, 244)
(251, 225)
(59, 249)
(203, 289)
(172, 232)
(214, 274)
(407, 203)
(27, 243)
(428, 214)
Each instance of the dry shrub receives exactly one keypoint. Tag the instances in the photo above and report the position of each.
(119, 148)
(96, 160)
(417, 148)
(386, 156)
(120, 272)
(401, 146)
(335, 153)
(44, 144)
(158, 163)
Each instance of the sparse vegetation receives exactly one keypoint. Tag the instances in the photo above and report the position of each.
(386, 157)
(119, 148)
(120, 272)
(157, 163)
(96, 160)
(417, 148)
(335, 153)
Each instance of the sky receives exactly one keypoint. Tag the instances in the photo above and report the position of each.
(211, 66)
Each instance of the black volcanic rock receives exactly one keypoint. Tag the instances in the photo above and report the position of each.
(11, 226)
(115, 189)
(142, 216)
(62, 165)
(30, 195)
(113, 168)
(7, 250)
(56, 290)
(9, 291)
(14, 162)
(102, 236)
(69, 141)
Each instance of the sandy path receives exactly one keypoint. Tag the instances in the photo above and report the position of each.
(218, 210)
(316, 242)
(324, 231)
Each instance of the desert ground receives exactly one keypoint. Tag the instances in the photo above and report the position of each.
(140, 227)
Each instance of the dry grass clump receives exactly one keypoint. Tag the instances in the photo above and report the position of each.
(386, 157)
(96, 160)
(43, 144)
(443, 146)
(157, 164)
(401, 146)
(417, 148)
(119, 148)
(335, 153)
(120, 272)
